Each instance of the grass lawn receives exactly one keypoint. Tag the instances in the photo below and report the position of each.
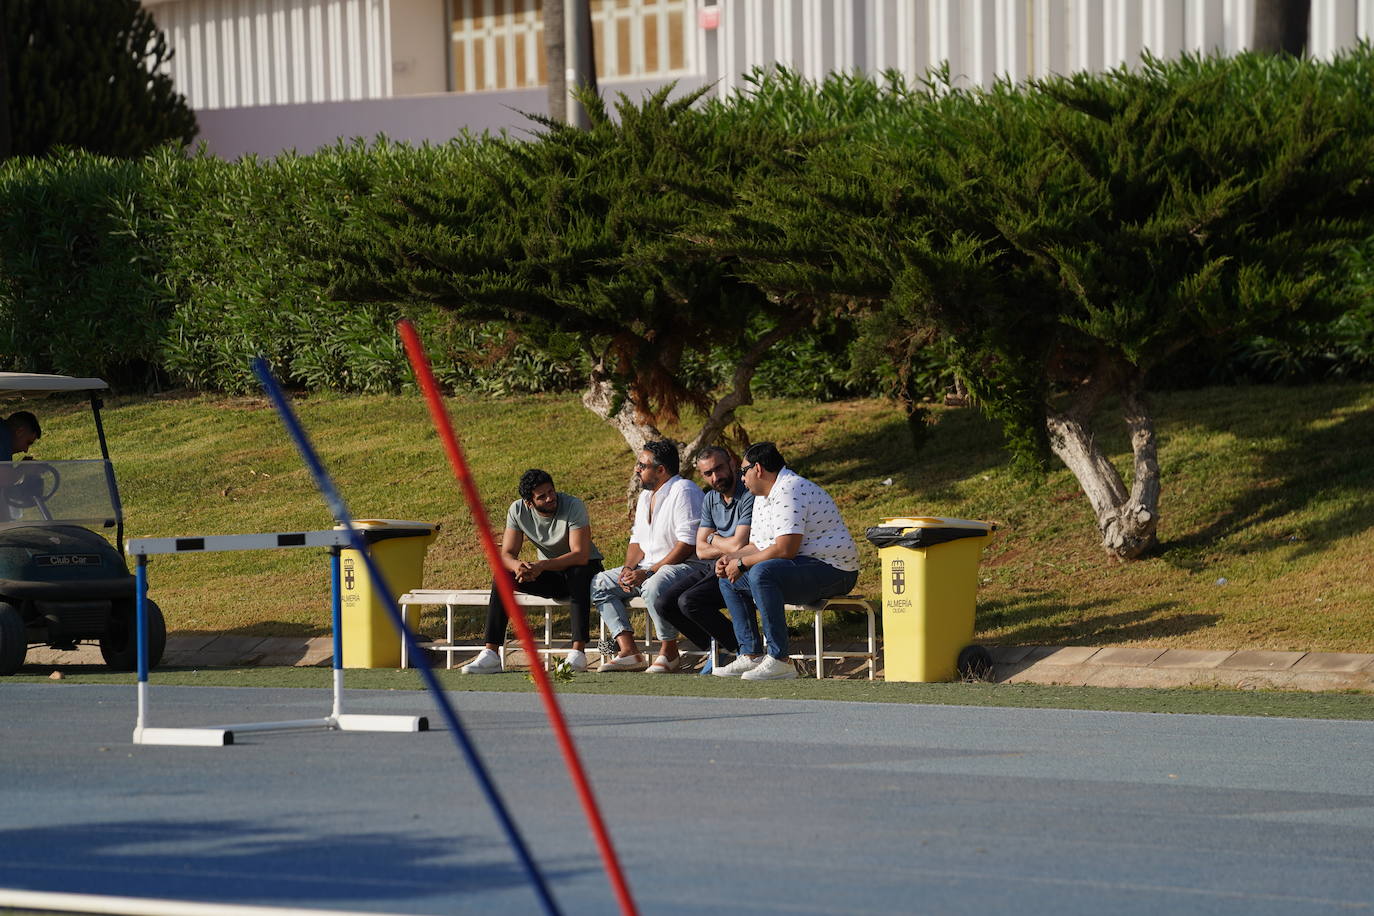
(1267, 514)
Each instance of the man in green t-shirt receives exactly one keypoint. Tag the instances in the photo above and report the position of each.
(557, 525)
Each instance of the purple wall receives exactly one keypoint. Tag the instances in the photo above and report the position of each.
(270, 129)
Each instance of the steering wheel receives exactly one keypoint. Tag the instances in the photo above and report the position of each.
(37, 483)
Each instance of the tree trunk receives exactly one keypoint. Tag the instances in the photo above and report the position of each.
(1281, 26)
(740, 393)
(556, 60)
(602, 399)
(1128, 521)
(617, 409)
(581, 58)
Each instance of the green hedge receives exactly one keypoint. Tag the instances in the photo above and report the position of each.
(80, 280)
(176, 270)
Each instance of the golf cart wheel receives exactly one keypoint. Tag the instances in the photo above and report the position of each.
(119, 645)
(13, 643)
(974, 664)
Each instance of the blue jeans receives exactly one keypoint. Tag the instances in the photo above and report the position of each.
(770, 586)
(610, 598)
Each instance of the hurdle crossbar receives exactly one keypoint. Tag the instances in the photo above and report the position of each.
(219, 735)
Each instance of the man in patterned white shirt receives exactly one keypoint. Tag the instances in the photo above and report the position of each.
(799, 551)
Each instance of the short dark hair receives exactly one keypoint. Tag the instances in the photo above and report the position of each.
(712, 450)
(22, 419)
(532, 480)
(766, 454)
(665, 453)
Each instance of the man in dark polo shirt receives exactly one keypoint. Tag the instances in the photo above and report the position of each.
(694, 604)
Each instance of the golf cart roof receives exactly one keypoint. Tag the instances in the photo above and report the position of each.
(29, 383)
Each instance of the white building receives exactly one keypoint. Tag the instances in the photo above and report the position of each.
(268, 75)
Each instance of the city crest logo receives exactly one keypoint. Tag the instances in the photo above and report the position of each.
(897, 569)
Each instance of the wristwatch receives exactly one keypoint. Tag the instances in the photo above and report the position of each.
(740, 561)
(710, 537)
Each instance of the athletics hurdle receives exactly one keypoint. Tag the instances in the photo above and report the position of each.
(218, 735)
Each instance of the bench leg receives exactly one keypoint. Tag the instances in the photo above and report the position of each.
(548, 636)
(820, 646)
(448, 635)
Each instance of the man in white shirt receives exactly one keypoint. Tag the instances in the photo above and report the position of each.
(799, 551)
(662, 540)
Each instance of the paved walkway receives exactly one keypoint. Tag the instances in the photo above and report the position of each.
(1065, 665)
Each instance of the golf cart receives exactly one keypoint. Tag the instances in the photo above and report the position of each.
(61, 580)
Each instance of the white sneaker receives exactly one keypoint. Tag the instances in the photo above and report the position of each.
(770, 669)
(736, 668)
(486, 662)
(577, 660)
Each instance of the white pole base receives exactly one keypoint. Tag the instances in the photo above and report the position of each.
(184, 737)
(354, 722)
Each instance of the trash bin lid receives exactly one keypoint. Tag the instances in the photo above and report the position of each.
(390, 523)
(381, 529)
(930, 521)
(925, 531)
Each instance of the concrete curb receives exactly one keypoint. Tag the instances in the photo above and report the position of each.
(1078, 666)
(1085, 666)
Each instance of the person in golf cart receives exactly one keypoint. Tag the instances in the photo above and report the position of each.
(18, 432)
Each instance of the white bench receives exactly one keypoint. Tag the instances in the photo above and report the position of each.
(839, 603)
(452, 599)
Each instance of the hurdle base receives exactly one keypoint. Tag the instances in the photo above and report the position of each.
(287, 725)
(184, 737)
(221, 735)
(353, 722)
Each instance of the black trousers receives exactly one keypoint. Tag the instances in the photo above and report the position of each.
(693, 604)
(573, 584)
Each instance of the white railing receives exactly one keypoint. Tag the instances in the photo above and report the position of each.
(987, 39)
(241, 53)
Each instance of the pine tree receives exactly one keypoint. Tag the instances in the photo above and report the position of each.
(589, 233)
(89, 75)
(1067, 237)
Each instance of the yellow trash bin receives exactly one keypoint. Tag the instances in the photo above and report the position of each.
(930, 577)
(370, 639)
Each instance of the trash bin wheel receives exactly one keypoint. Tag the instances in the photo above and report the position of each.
(974, 664)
